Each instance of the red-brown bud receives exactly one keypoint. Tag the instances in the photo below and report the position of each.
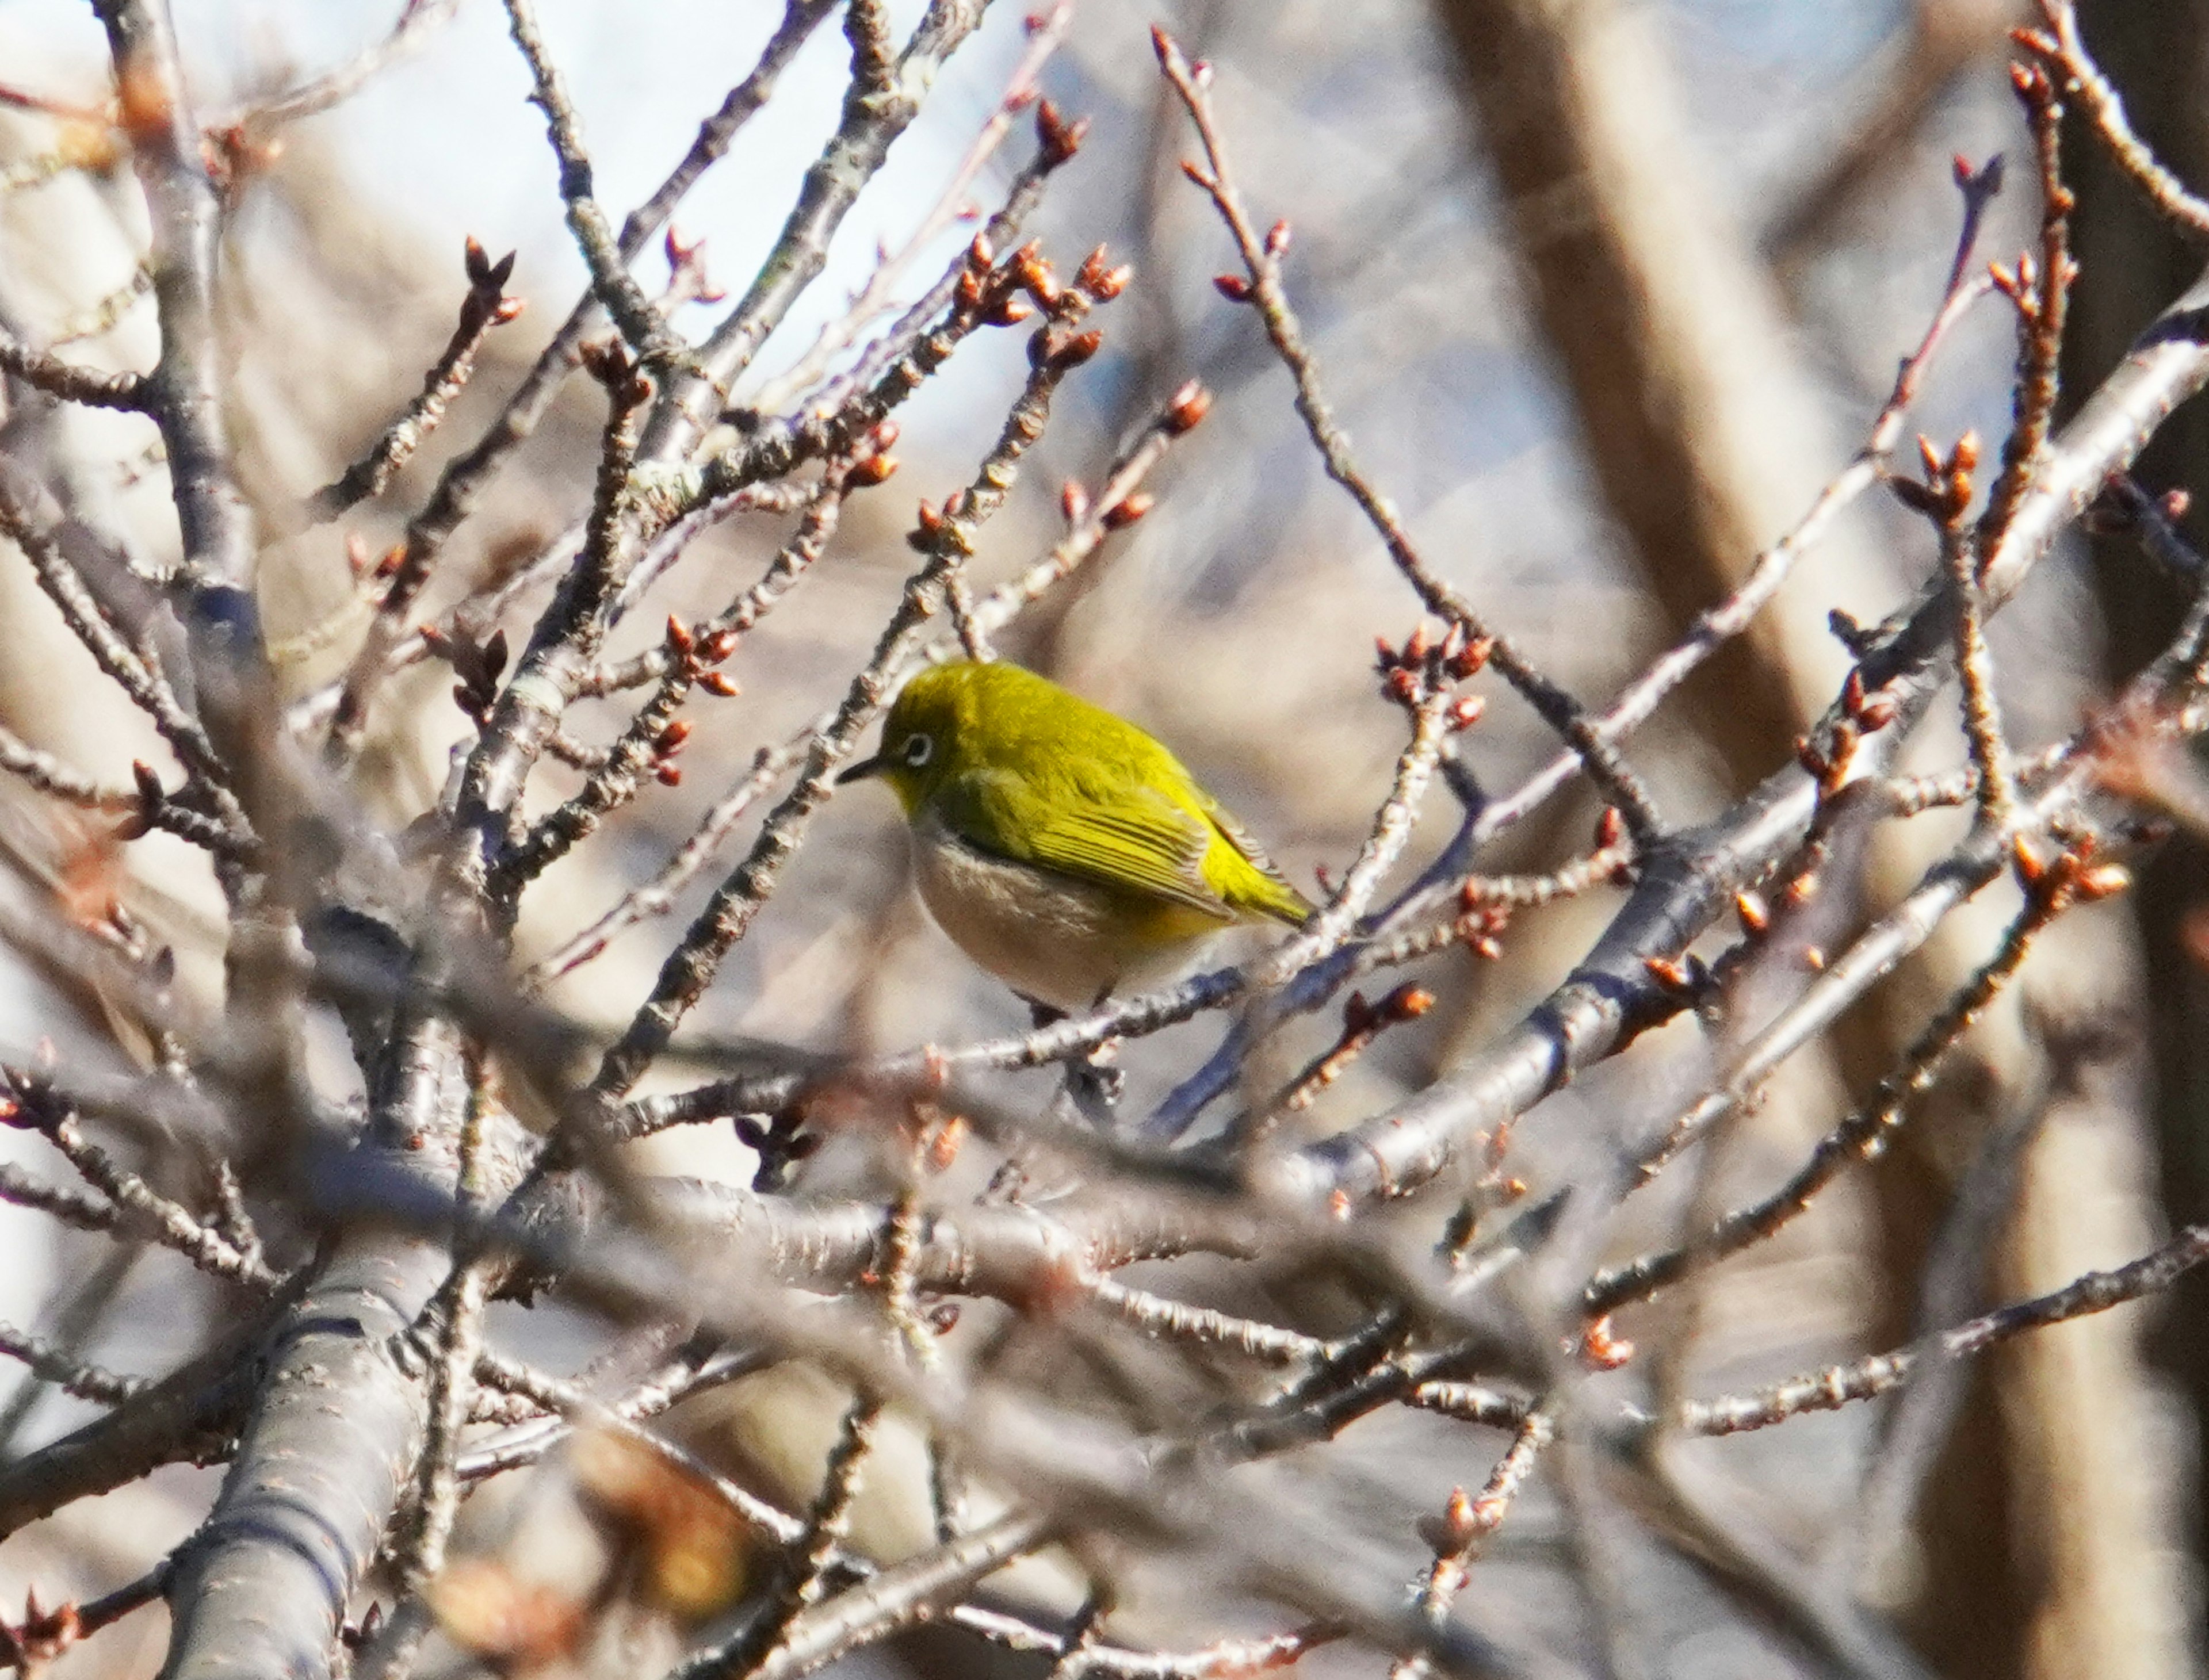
(1100, 279)
(1186, 411)
(2103, 879)
(1057, 138)
(1603, 1350)
(1126, 511)
(1074, 350)
(1468, 660)
(1233, 287)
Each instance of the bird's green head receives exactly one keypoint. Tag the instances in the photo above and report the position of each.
(928, 734)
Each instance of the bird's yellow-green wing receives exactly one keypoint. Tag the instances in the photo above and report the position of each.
(1094, 827)
(1238, 870)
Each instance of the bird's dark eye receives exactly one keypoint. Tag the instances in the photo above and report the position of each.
(917, 750)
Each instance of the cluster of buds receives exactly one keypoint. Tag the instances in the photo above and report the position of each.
(1946, 493)
(608, 361)
(1985, 179)
(2071, 877)
(1407, 1002)
(780, 1140)
(372, 572)
(664, 746)
(1056, 139)
(1480, 921)
(1460, 1524)
(871, 461)
(2036, 89)
(33, 1644)
(1465, 1522)
(686, 279)
(1424, 666)
(487, 304)
(152, 797)
(477, 664)
(1863, 711)
(994, 293)
(1362, 1022)
(693, 656)
(934, 526)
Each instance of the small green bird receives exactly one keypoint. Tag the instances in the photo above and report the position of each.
(1060, 847)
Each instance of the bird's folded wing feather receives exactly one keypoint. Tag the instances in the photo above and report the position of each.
(1270, 894)
(1128, 838)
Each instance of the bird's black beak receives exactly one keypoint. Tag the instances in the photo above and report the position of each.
(861, 770)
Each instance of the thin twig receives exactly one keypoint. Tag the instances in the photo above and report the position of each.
(2042, 293)
(1468, 1524)
(1875, 1374)
(463, 483)
(2105, 112)
(57, 378)
(485, 306)
(640, 320)
(1858, 1138)
(50, 1364)
(1261, 286)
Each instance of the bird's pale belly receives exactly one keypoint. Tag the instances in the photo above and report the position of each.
(1051, 936)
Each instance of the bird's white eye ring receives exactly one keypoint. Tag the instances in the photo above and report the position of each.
(917, 750)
